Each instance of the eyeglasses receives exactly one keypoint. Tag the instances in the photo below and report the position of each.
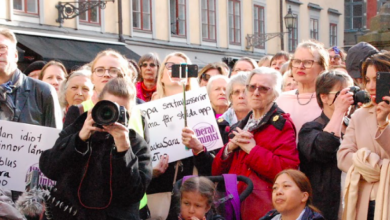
(335, 57)
(306, 63)
(238, 92)
(112, 71)
(168, 65)
(152, 65)
(3, 48)
(205, 77)
(262, 89)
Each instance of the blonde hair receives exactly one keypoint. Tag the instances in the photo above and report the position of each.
(124, 64)
(160, 92)
(315, 47)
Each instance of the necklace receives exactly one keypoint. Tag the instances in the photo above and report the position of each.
(297, 93)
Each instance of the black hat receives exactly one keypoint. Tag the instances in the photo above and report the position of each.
(36, 65)
(356, 56)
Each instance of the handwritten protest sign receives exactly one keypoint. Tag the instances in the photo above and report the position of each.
(21, 146)
(166, 121)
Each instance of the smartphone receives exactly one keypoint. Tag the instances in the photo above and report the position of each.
(382, 86)
(191, 68)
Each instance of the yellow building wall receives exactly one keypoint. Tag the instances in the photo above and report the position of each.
(111, 17)
(247, 20)
(222, 22)
(273, 26)
(195, 22)
(51, 15)
(161, 19)
(4, 10)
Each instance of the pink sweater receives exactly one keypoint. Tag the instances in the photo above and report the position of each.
(300, 114)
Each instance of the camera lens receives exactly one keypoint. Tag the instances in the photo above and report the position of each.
(105, 112)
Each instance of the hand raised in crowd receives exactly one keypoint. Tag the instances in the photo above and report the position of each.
(88, 128)
(161, 167)
(120, 133)
(190, 140)
(383, 111)
(343, 101)
(244, 140)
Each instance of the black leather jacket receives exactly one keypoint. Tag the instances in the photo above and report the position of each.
(36, 103)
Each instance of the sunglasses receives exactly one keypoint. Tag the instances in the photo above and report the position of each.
(262, 89)
(148, 64)
(205, 77)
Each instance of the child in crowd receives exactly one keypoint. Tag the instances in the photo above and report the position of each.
(196, 198)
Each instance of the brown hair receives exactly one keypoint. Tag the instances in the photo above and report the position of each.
(342, 53)
(303, 183)
(148, 57)
(120, 87)
(281, 54)
(201, 185)
(326, 80)
(52, 63)
(263, 60)
(247, 59)
(315, 47)
(381, 62)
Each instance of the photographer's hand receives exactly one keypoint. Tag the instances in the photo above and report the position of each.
(383, 111)
(88, 128)
(120, 134)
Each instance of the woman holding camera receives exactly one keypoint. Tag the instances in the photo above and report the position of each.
(365, 149)
(320, 139)
(101, 173)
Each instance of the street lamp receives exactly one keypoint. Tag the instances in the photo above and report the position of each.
(254, 40)
(68, 10)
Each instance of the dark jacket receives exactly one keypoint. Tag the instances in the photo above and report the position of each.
(131, 173)
(35, 102)
(275, 151)
(308, 215)
(318, 155)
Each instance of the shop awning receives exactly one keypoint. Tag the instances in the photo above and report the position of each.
(70, 52)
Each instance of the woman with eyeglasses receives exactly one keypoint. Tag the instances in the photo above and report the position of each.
(236, 94)
(147, 79)
(261, 145)
(309, 60)
(319, 140)
(211, 69)
(336, 56)
(364, 153)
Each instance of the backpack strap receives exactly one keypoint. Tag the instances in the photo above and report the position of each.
(232, 208)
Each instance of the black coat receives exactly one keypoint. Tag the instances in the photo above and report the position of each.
(318, 156)
(308, 215)
(131, 174)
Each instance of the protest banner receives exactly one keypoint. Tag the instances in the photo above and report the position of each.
(21, 146)
(166, 120)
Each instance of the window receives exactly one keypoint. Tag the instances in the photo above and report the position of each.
(259, 24)
(91, 16)
(142, 15)
(26, 6)
(293, 37)
(314, 28)
(234, 22)
(354, 14)
(208, 20)
(178, 17)
(333, 35)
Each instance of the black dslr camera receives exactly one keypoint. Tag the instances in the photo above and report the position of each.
(359, 95)
(106, 112)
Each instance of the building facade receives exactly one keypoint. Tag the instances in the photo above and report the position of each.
(206, 30)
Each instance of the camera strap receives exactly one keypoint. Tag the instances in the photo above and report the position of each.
(85, 173)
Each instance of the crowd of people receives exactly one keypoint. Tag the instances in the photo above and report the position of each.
(291, 123)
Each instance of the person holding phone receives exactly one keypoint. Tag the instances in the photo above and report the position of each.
(365, 150)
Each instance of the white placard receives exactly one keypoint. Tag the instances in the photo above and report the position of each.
(21, 146)
(165, 123)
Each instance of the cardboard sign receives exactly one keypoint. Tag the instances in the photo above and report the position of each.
(166, 120)
(21, 146)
